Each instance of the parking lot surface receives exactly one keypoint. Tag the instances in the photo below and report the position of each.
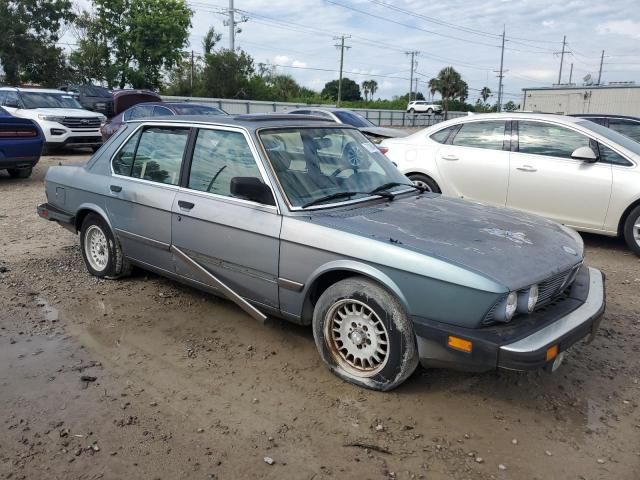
(146, 378)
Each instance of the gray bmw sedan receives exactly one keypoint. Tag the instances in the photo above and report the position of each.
(306, 220)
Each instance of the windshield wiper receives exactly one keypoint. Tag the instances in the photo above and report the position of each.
(387, 186)
(337, 195)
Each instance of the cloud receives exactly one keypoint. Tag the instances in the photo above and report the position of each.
(298, 64)
(627, 28)
(282, 60)
(548, 23)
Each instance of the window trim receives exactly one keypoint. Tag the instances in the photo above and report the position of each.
(505, 121)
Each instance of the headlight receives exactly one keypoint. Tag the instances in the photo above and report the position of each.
(507, 308)
(51, 118)
(528, 299)
(103, 120)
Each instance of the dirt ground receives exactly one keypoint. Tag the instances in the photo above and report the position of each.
(145, 378)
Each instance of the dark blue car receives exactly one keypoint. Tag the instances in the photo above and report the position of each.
(21, 142)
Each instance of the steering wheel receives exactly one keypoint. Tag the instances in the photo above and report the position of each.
(351, 156)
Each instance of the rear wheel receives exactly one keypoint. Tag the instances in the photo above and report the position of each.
(430, 111)
(425, 182)
(20, 172)
(632, 230)
(101, 252)
(364, 335)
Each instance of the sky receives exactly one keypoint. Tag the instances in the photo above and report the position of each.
(298, 36)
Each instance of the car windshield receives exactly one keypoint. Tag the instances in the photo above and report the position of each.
(353, 119)
(48, 100)
(615, 137)
(197, 110)
(95, 91)
(320, 166)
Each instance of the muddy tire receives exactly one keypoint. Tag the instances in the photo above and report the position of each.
(20, 172)
(101, 252)
(632, 230)
(364, 335)
(426, 182)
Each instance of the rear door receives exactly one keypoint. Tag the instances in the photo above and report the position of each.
(474, 163)
(144, 182)
(235, 239)
(545, 180)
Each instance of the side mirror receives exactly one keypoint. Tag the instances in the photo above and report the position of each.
(586, 154)
(251, 188)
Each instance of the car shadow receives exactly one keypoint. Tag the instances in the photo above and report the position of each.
(592, 240)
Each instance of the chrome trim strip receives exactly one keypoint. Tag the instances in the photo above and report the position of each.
(146, 240)
(228, 292)
(553, 332)
(290, 284)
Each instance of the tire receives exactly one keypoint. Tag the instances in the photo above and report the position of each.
(20, 172)
(422, 180)
(411, 110)
(373, 310)
(429, 111)
(632, 230)
(101, 252)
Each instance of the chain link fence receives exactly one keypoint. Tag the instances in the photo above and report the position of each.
(380, 117)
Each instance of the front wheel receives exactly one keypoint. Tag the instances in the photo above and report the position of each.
(632, 230)
(422, 181)
(364, 335)
(412, 111)
(101, 252)
(20, 172)
(430, 111)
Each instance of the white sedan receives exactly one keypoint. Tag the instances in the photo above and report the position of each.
(570, 170)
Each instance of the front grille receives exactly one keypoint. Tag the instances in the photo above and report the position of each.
(81, 122)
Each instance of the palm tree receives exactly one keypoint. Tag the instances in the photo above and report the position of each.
(449, 85)
(485, 93)
(365, 89)
(373, 87)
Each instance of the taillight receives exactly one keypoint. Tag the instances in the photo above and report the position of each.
(383, 150)
(18, 133)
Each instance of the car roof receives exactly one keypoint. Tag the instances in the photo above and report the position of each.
(513, 115)
(326, 109)
(34, 89)
(250, 121)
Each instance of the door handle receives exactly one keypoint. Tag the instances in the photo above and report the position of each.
(527, 168)
(115, 188)
(186, 205)
(451, 158)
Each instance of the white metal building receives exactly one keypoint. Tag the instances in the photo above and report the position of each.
(620, 99)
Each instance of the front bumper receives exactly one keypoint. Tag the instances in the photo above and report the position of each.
(57, 134)
(523, 344)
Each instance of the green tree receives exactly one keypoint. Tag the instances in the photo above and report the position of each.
(228, 74)
(350, 90)
(450, 86)
(130, 42)
(369, 87)
(511, 106)
(29, 31)
(485, 93)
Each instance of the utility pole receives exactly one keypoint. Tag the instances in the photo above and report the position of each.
(191, 80)
(600, 71)
(232, 23)
(501, 73)
(571, 74)
(564, 44)
(413, 54)
(341, 46)
(416, 88)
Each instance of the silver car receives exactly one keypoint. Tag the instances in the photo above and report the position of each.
(306, 220)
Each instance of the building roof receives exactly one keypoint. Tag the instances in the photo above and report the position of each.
(583, 87)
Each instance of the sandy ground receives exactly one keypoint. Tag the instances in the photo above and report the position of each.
(148, 379)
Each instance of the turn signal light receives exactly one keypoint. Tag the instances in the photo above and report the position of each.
(552, 352)
(459, 344)
(383, 150)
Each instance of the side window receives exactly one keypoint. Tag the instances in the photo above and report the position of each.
(160, 111)
(626, 127)
(489, 135)
(550, 140)
(609, 156)
(159, 154)
(123, 161)
(218, 157)
(3, 95)
(442, 135)
(12, 100)
(140, 112)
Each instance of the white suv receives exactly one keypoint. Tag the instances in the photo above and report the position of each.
(420, 106)
(62, 119)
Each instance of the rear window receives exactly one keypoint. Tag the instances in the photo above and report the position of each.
(442, 135)
(197, 110)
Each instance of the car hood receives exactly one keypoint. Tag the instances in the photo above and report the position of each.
(384, 132)
(510, 247)
(61, 112)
